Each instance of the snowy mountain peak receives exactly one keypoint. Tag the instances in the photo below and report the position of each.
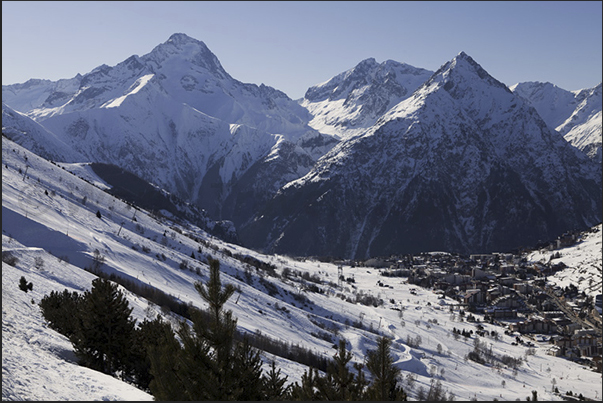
(180, 38)
(574, 114)
(464, 69)
(182, 47)
(353, 100)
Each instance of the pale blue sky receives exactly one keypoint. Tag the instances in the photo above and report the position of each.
(294, 45)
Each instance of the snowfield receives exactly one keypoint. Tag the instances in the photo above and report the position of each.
(49, 225)
(583, 261)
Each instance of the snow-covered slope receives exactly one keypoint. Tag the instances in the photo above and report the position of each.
(34, 136)
(583, 261)
(461, 165)
(53, 233)
(352, 101)
(173, 117)
(575, 114)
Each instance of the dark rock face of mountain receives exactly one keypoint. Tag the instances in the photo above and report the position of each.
(462, 165)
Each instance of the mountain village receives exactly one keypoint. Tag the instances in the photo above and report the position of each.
(513, 293)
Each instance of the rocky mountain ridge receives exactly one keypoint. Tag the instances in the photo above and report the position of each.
(463, 165)
(574, 114)
(174, 117)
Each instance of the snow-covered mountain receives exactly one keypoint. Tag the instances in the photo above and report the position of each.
(352, 101)
(174, 117)
(461, 165)
(432, 150)
(574, 114)
(34, 136)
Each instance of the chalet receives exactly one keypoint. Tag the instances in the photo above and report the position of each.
(378, 263)
(508, 281)
(506, 269)
(509, 301)
(493, 293)
(482, 258)
(563, 342)
(597, 363)
(457, 279)
(553, 314)
(555, 351)
(566, 240)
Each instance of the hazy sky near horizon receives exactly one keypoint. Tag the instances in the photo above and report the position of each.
(292, 45)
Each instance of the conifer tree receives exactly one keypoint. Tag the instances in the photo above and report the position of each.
(209, 365)
(218, 333)
(196, 367)
(274, 384)
(62, 311)
(166, 383)
(381, 365)
(221, 329)
(148, 336)
(247, 371)
(342, 384)
(24, 285)
(306, 391)
(106, 331)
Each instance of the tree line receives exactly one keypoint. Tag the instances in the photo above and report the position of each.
(205, 360)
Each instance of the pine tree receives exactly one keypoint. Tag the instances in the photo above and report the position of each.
(381, 365)
(166, 383)
(106, 331)
(306, 391)
(340, 383)
(221, 329)
(196, 367)
(247, 371)
(219, 332)
(149, 335)
(62, 311)
(274, 385)
(209, 365)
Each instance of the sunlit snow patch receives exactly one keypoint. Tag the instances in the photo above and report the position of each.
(141, 82)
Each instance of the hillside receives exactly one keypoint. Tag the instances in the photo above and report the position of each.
(52, 231)
(583, 261)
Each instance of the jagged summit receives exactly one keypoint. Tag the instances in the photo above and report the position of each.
(174, 116)
(463, 68)
(190, 50)
(180, 38)
(574, 114)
